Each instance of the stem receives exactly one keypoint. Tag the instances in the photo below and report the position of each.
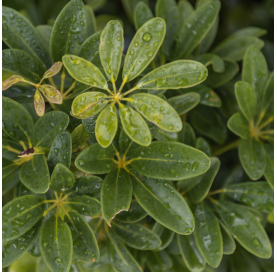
(223, 190)
(114, 87)
(226, 148)
(52, 82)
(268, 121)
(122, 85)
(69, 89)
(271, 131)
(211, 199)
(11, 149)
(53, 106)
(50, 208)
(23, 145)
(133, 89)
(108, 90)
(62, 81)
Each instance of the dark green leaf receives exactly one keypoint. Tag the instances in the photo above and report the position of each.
(45, 32)
(212, 59)
(166, 235)
(249, 31)
(10, 182)
(268, 94)
(187, 135)
(269, 169)
(8, 167)
(90, 47)
(79, 137)
(91, 22)
(185, 10)
(204, 146)
(88, 185)
(229, 244)
(158, 261)
(89, 125)
(239, 125)
(142, 14)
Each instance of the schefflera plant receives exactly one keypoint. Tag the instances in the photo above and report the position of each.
(58, 221)
(142, 50)
(254, 124)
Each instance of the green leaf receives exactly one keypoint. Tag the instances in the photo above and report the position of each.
(48, 127)
(72, 21)
(258, 195)
(157, 111)
(185, 10)
(207, 235)
(120, 258)
(28, 40)
(45, 32)
(90, 47)
(56, 245)
(250, 31)
(10, 182)
(169, 161)
(84, 71)
(27, 263)
(269, 169)
(268, 94)
(255, 71)
(202, 188)
(162, 135)
(18, 62)
(53, 70)
(134, 214)
(20, 215)
(245, 228)
(234, 47)
(89, 125)
(60, 151)
(162, 202)
(14, 249)
(158, 261)
(136, 236)
(190, 253)
(168, 10)
(79, 137)
(212, 59)
(84, 242)
(134, 125)
(39, 103)
(252, 157)
(8, 167)
(106, 125)
(187, 135)
(195, 28)
(17, 123)
(174, 75)
(95, 159)
(62, 179)
(247, 100)
(111, 48)
(143, 48)
(165, 235)
(129, 7)
(215, 80)
(34, 174)
(51, 94)
(84, 205)
(116, 193)
(91, 22)
(239, 125)
(204, 146)
(87, 185)
(229, 244)
(207, 122)
(142, 14)
(184, 103)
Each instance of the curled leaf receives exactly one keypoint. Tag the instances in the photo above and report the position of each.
(10, 81)
(51, 93)
(39, 103)
(53, 70)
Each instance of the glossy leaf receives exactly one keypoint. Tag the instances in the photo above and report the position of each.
(89, 125)
(56, 245)
(10, 181)
(88, 185)
(95, 159)
(106, 125)
(234, 47)
(142, 14)
(20, 215)
(116, 193)
(239, 125)
(136, 236)
(187, 135)
(143, 48)
(45, 32)
(174, 75)
(245, 228)
(158, 261)
(34, 174)
(79, 137)
(195, 28)
(190, 253)
(252, 157)
(60, 150)
(184, 103)
(91, 22)
(268, 94)
(16, 121)
(84, 71)
(229, 244)
(53, 70)
(163, 203)
(185, 10)
(134, 125)
(249, 31)
(10, 81)
(157, 111)
(111, 48)
(51, 93)
(258, 195)
(173, 247)
(90, 47)
(204, 146)
(72, 22)
(269, 170)
(14, 37)
(48, 127)
(8, 167)
(212, 59)
(39, 103)
(207, 235)
(165, 235)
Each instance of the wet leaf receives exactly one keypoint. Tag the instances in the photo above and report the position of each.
(162, 202)
(158, 261)
(269, 169)
(8, 167)
(190, 253)
(106, 125)
(268, 95)
(252, 157)
(91, 22)
(249, 31)
(56, 245)
(10, 81)
(95, 159)
(157, 111)
(212, 59)
(88, 185)
(184, 103)
(10, 182)
(34, 174)
(142, 14)
(174, 75)
(187, 135)
(111, 48)
(165, 235)
(195, 28)
(45, 32)
(20, 215)
(72, 22)
(229, 244)
(51, 94)
(48, 127)
(39, 103)
(90, 47)
(143, 48)
(239, 125)
(136, 236)
(116, 193)
(204, 146)
(245, 228)
(53, 70)
(79, 137)
(207, 235)
(185, 10)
